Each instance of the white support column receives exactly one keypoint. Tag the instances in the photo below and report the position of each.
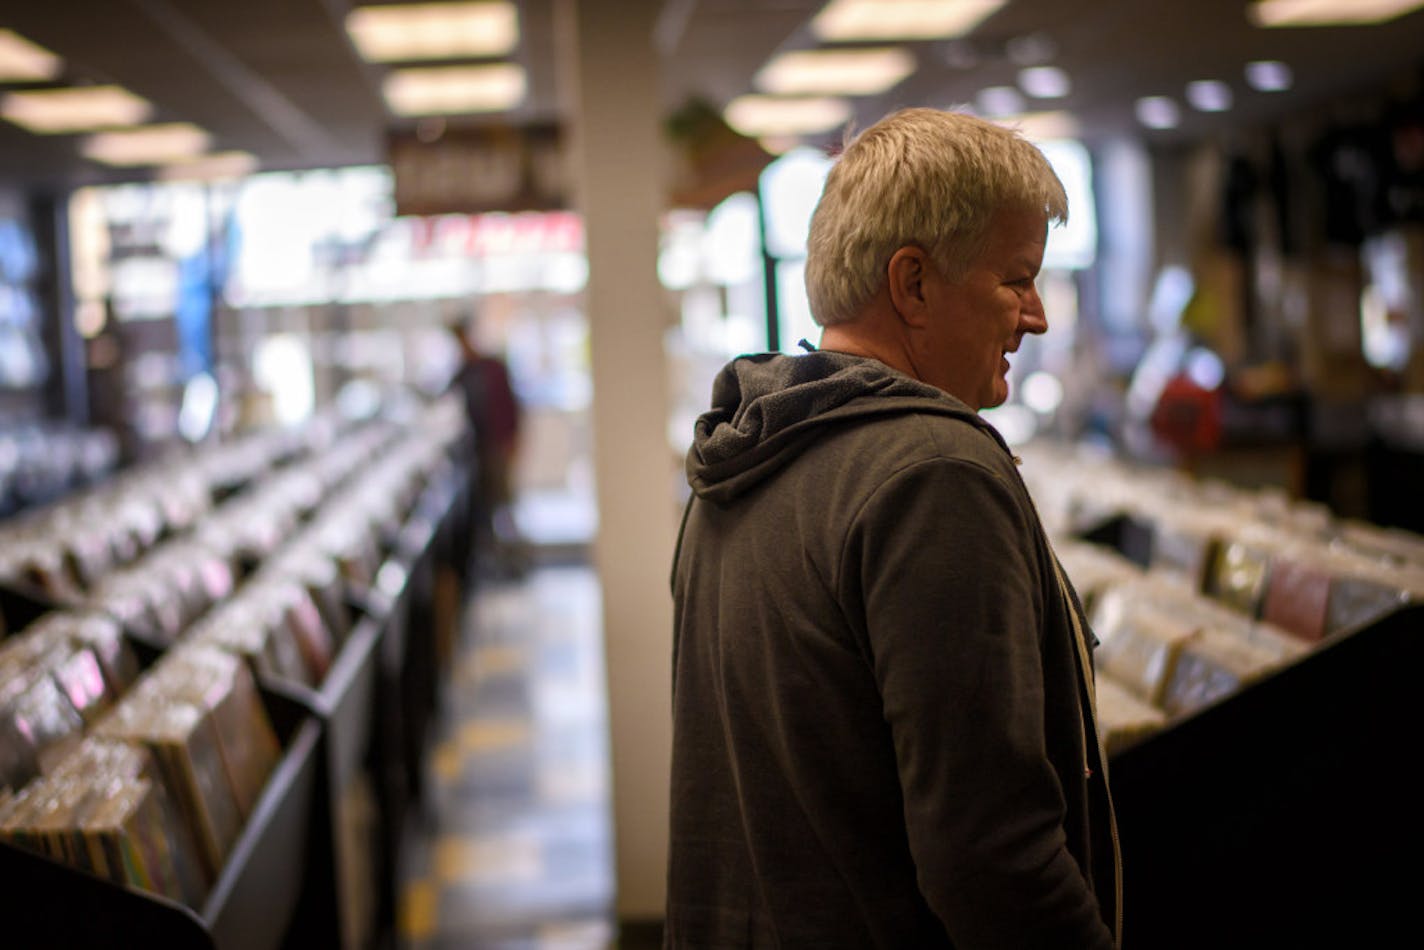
(613, 84)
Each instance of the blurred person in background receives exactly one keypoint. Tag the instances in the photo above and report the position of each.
(493, 409)
(883, 707)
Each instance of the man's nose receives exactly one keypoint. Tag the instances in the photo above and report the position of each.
(1032, 318)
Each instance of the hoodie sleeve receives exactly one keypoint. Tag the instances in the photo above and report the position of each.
(942, 558)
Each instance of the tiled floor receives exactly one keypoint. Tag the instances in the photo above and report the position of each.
(514, 851)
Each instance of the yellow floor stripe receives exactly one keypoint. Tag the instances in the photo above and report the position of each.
(418, 910)
(447, 761)
(500, 659)
(487, 858)
(487, 735)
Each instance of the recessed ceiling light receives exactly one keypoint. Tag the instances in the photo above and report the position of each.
(900, 19)
(998, 101)
(847, 72)
(416, 31)
(1045, 82)
(1209, 95)
(214, 166)
(150, 145)
(1158, 112)
(1269, 75)
(55, 111)
(22, 60)
(454, 90)
(1328, 12)
(758, 116)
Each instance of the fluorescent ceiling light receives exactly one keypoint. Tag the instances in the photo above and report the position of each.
(900, 19)
(150, 145)
(1209, 95)
(85, 109)
(452, 90)
(414, 31)
(996, 101)
(1269, 75)
(757, 116)
(1328, 12)
(22, 60)
(214, 166)
(1045, 82)
(847, 72)
(1158, 112)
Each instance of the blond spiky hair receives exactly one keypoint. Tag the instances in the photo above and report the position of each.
(922, 177)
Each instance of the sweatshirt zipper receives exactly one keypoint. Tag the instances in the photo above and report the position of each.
(1085, 666)
(1090, 688)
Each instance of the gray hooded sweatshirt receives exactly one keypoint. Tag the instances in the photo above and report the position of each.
(882, 732)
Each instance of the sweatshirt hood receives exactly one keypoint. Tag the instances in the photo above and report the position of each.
(766, 409)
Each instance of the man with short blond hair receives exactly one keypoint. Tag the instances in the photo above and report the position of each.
(884, 731)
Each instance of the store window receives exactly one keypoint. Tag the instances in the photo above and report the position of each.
(711, 264)
(309, 285)
(148, 264)
(1072, 246)
(24, 366)
(790, 188)
(1052, 383)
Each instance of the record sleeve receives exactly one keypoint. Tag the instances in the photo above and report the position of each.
(1140, 644)
(1123, 718)
(89, 556)
(185, 747)
(1094, 569)
(114, 766)
(44, 714)
(19, 759)
(15, 817)
(81, 679)
(103, 634)
(303, 620)
(68, 802)
(1237, 577)
(1212, 665)
(1297, 597)
(130, 834)
(319, 575)
(281, 652)
(1360, 599)
(110, 855)
(1183, 550)
(222, 683)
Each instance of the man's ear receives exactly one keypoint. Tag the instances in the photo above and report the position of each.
(905, 277)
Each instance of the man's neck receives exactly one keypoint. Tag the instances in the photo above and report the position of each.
(854, 338)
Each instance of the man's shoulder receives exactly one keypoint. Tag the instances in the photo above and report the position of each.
(900, 438)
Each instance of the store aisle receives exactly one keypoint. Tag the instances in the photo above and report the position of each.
(515, 847)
